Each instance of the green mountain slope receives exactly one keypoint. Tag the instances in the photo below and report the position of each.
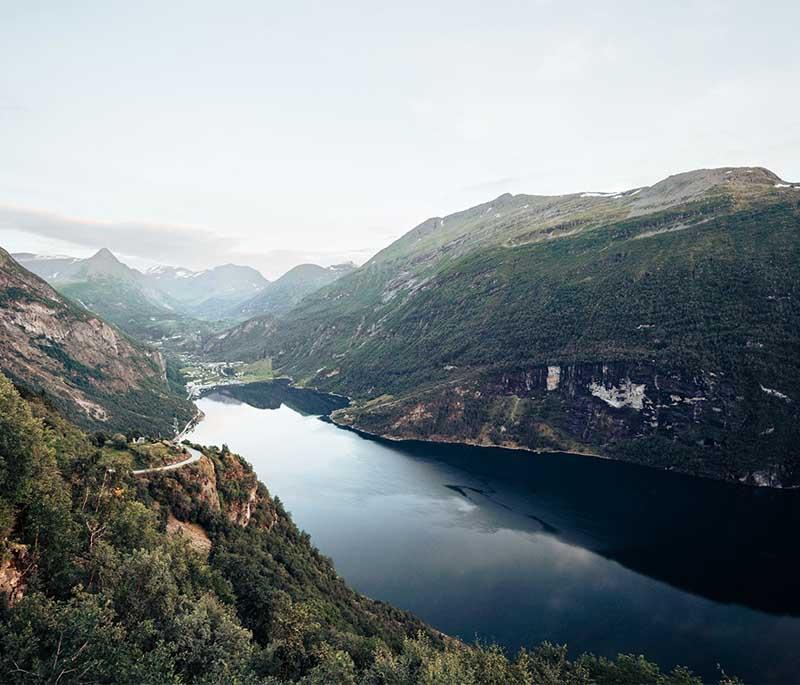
(198, 575)
(289, 290)
(209, 294)
(660, 325)
(95, 374)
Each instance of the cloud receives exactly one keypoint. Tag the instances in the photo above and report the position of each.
(148, 240)
(188, 246)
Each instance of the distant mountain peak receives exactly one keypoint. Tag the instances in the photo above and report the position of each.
(104, 264)
(284, 293)
(104, 254)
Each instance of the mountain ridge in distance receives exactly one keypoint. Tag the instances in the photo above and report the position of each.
(286, 292)
(168, 302)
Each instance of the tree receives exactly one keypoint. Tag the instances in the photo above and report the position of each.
(75, 642)
(210, 646)
(119, 440)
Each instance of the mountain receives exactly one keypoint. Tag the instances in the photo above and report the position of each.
(106, 286)
(95, 374)
(285, 293)
(103, 264)
(207, 294)
(198, 575)
(164, 304)
(658, 325)
(171, 283)
(150, 304)
(48, 267)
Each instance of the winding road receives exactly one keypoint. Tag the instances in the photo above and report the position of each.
(193, 457)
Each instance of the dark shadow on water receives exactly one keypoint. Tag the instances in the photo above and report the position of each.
(274, 394)
(464, 491)
(728, 543)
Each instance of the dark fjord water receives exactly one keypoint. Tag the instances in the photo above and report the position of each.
(518, 548)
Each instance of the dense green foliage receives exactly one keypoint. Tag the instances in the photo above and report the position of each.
(110, 597)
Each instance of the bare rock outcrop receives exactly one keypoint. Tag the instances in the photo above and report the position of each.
(15, 566)
(193, 532)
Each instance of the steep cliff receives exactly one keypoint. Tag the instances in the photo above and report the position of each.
(642, 412)
(219, 483)
(94, 373)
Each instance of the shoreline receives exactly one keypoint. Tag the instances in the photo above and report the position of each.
(529, 450)
(328, 418)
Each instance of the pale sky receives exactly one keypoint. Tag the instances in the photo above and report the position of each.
(266, 133)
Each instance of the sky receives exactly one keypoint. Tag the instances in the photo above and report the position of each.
(270, 134)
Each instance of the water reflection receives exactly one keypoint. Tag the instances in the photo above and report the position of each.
(726, 542)
(273, 395)
(518, 548)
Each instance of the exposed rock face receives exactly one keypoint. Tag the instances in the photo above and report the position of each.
(14, 568)
(631, 411)
(240, 513)
(553, 377)
(191, 485)
(97, 375)
(223, 482)
(193, 532)
(242, 493)
(626, 395)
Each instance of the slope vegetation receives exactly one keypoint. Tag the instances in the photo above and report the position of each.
(289, 290)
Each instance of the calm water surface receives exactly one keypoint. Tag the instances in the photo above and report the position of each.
(519, 548)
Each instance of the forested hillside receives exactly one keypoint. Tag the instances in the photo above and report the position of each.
(658, 325)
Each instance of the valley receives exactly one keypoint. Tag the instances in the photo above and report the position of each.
(176, 308)
(483, 382)
(432, 343)
(202, 376)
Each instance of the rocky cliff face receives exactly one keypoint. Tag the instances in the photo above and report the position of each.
(221, 482)
(193, 532)
(98, 376)
(15, 566)
(696, 422)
